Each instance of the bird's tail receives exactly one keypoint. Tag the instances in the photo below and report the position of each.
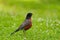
(14, 32)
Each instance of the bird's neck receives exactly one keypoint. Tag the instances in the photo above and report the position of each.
(29, 19)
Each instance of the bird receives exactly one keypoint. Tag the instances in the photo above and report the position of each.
(27, 24)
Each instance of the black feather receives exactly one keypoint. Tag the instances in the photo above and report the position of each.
(15, 31)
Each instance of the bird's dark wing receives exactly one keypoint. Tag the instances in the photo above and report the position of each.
(26, 22)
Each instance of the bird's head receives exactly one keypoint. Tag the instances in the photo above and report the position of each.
(28, 15)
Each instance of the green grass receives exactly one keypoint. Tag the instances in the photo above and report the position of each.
(45, 19)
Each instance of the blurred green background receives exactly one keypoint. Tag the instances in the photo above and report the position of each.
(45, 19)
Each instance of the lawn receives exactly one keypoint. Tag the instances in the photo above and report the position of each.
(45, 19)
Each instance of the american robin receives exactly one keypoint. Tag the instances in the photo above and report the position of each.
(26, 24)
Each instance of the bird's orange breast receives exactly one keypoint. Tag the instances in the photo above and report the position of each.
(28, 26)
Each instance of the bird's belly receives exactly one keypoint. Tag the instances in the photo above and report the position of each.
(27, 27)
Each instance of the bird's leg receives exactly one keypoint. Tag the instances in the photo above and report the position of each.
(24, 34)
